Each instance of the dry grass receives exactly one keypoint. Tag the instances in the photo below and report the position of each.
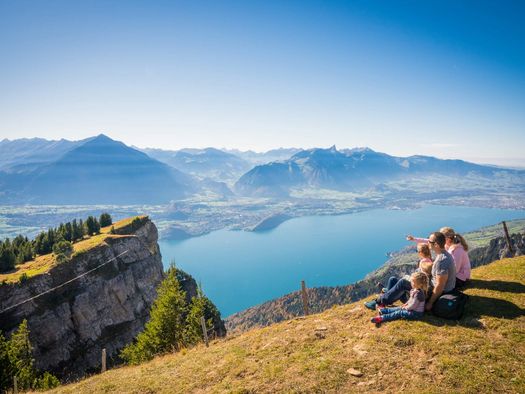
(42, 264)
(484, 352)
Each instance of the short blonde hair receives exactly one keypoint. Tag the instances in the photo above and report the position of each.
(424, 249)
(420, 280)
(426, 267)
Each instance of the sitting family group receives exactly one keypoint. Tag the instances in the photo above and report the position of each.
(419, 292)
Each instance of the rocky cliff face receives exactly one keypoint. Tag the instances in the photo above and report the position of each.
(106, 308)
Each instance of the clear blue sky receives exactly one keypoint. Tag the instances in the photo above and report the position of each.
(444, 78)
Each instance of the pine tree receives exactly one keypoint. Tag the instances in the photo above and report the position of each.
(165, 330)
(38, 243)
(61, 231)
(7, 256)
(68, 232)
(6, 370)
(16, 359)
(76, 230)
(200, 306)
(82, 227)
(51, 239)
(92, 226)
(21, 357)
(193, 328)
(105, 219)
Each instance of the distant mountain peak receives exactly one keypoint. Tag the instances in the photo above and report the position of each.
(102, 137)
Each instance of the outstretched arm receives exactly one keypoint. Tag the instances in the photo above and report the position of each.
(418, 240)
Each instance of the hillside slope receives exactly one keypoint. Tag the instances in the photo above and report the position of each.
(486, 247)
(483, 352)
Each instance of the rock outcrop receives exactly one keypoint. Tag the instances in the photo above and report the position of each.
(106, 308)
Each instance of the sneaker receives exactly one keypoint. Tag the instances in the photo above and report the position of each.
(371, 305)
(377, 319)
(384, 290)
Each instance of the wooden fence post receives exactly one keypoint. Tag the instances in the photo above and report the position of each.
(15, 385)
(204, 331)
(103, 369)
(507, 237)
(305, 298)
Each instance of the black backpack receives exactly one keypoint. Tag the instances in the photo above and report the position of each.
(450, 306)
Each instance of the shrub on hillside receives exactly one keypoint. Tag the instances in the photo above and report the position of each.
(63, 251)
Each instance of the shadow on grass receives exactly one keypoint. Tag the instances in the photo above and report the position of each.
(496, 285)
(478, 307)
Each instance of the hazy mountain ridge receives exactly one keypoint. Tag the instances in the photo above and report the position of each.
(209, 162)
(256, 158)
(98, 170)
(352, 170)
(26, 153)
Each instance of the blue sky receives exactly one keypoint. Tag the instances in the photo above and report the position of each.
(444, 78)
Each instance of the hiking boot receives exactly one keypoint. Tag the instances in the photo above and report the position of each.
(371, 305)
(377, 320)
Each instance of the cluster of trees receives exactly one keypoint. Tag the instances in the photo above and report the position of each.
(174, 324)
(15, 252)
(57, 240)
(16, 359)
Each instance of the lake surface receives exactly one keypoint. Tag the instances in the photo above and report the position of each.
(239, 269)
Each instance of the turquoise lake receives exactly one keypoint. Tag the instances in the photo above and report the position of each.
(239, 269)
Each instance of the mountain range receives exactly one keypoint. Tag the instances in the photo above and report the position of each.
(99, 170)
(208, 163)
(351, 170)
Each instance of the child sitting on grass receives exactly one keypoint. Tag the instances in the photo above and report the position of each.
(424, 265)
(398, 288)
(413, 308)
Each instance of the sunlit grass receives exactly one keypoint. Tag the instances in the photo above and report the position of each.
(481, 353)
(42, 264)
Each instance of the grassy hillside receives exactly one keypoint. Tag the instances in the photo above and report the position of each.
(43, 263)
(484, 352)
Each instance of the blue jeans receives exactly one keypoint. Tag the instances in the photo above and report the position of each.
(389, 314)
(397, 290)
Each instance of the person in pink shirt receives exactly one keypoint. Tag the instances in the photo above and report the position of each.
(458, 248)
